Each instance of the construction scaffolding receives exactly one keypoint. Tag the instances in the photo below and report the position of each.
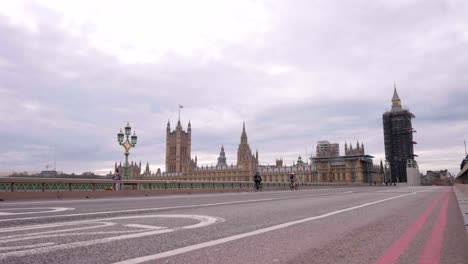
(398, 138)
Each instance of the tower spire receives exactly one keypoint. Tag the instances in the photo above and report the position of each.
(396, 102)
(222, 157)
(244, 134)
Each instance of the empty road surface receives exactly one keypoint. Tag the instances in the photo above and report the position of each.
(337, 225)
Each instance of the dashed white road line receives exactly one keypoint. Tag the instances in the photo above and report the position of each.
(186, 249)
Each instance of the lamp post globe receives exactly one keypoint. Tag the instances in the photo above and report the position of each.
(120, 136)
(134, 138)
(128, 129)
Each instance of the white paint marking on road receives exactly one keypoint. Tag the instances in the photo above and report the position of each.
(178, 207)
(26, 238)
(146, 226)
(47, 210)
(102, 224)
(94, 221)
(182, 250)
(27, 246)
(203, 221)
(43, 226)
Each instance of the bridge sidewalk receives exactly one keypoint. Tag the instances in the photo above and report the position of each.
(461, 191)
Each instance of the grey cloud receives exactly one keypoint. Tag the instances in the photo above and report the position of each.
(343, 61)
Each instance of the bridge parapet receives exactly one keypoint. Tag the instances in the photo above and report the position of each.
(11, 184)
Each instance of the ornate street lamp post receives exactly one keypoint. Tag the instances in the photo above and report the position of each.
(129, 143)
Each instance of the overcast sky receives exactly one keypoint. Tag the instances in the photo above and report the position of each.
(73, 73)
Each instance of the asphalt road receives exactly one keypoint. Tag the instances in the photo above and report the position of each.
(341, 225)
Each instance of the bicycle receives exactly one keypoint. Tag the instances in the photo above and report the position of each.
(258, 186)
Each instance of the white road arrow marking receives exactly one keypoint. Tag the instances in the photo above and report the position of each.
(202, 221)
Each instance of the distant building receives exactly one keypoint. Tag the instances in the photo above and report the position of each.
(279, 163)
(59, 174)
(354, 166)
(327, 149)
(222, 158)
(134, 169)
(178, 149)
(247, 163)
(398, 138)
(358, 150)
(441, 177)
(48, 174)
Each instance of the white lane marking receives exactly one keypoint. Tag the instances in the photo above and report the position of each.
(177, 207)
(27, 246)
(248, 234)
(203, 221)
(48, 236)
(47, 210)
(42, 226)
(145, 226)
(102, 224)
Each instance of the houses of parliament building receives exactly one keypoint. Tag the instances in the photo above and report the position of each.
(327, 166)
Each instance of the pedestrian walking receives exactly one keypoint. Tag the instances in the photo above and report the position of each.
(116, 178)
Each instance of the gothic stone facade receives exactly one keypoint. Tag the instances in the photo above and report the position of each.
(178, 149)
(352, 167)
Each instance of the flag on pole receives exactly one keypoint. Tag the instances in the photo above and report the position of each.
(180, 107)
(464, 141)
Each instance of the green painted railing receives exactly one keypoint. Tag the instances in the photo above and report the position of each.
(10, 184)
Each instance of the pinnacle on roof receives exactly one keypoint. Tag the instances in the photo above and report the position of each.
(395, 94)
(244, 134)
(396, 102)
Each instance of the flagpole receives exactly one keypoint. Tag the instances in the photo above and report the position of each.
(179, 113)
(464, 141)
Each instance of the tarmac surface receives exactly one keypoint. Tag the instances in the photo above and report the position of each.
(336, 225)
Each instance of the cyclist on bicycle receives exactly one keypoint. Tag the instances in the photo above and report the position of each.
(292, 181)
(258, 180)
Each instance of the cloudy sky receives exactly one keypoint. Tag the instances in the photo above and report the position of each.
(72, 73)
